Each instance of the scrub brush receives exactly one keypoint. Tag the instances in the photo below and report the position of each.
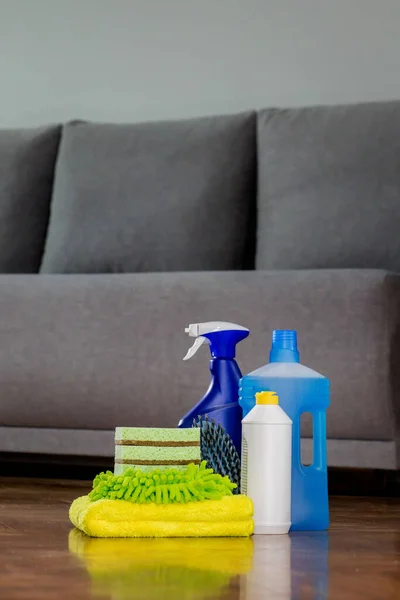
(218, 451)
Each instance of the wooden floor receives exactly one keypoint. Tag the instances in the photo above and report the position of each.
(41, 557)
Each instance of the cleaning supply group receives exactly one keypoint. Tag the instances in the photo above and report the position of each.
(233, 467)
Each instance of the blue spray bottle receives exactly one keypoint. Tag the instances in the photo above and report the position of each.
(300, 390)
(221, 402)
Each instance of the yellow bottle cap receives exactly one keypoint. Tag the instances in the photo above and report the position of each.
(267, 398)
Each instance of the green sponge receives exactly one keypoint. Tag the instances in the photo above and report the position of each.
(148, 448)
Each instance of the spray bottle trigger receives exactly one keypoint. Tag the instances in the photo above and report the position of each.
(199, 341)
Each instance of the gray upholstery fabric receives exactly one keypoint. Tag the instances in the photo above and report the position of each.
(71, 442)
(154, 197)
(27, 160)
(95, 352)
(329, 187)
(358, 454)
(81, 442)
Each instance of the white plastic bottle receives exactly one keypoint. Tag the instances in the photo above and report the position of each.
(267, 464)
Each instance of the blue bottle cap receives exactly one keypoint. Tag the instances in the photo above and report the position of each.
(284, 346)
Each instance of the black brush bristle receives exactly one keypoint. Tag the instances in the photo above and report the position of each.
(218, 450)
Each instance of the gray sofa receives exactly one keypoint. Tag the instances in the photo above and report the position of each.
(115, 237)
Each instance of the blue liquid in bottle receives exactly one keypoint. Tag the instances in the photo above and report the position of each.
(300, 390)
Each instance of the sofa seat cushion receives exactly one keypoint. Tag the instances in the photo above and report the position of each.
(27, 160)
(101, 351)
(173, 196)
(329, 187)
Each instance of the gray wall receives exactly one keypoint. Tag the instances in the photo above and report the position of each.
(148, 59)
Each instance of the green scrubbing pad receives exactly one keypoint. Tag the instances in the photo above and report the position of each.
(148, 448)
(194, 484)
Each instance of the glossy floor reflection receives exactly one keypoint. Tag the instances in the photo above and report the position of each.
(168, 568)
(42, 557)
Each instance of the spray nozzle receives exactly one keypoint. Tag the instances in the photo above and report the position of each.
(220, 335)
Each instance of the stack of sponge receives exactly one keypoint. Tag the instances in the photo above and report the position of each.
(145, 448)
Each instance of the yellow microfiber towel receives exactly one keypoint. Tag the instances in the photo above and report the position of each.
(230, 516)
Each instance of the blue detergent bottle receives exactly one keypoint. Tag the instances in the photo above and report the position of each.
(221, 401)
(300, 390)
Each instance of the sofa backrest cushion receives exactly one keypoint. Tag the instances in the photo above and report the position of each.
(329, 187)
(27, 160)
(173, 196)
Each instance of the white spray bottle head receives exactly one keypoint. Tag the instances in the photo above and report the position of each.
(203, 332)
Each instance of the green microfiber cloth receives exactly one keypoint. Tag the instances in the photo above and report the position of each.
(195, 483)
